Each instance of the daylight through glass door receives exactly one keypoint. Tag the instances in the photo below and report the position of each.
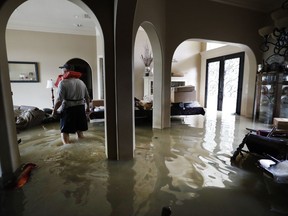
(224, 76)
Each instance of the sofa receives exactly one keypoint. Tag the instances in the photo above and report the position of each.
(28, 116)
(143, 111)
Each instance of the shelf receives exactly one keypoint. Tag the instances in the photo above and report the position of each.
(270, 100)
(148, 84)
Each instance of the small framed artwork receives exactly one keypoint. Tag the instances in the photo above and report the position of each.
(23, 71)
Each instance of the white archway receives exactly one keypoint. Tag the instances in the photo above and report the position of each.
(9, 151)
(192, 49)
(161, 92)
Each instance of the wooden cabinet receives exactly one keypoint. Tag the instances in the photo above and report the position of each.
(148, 84)
(271, 96)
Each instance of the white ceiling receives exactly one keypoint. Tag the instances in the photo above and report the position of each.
(52, 16)
(65, 17)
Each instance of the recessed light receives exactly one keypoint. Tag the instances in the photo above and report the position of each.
(77, 24)
(82, 16)
(86, 16)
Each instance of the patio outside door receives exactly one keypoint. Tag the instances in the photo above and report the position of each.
(224, 78)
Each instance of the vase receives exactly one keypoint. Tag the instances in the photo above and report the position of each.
(147, 70)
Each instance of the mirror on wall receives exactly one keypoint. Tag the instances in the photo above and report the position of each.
(23, 71)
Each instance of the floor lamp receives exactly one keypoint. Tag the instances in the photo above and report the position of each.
(50, 84)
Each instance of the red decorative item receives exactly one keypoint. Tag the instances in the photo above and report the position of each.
(25, 174)
(67, 75)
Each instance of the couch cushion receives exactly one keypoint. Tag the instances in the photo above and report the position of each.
(25, 107)
(188, 88)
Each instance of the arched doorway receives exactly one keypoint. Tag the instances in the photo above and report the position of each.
(9, 154)
(161, 100)
(190, 61)
(82, 66)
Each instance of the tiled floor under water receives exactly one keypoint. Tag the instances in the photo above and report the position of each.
(186, 167)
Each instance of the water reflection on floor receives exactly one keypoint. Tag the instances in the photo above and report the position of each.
(186, 167)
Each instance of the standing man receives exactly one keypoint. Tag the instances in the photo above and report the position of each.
(72, 97)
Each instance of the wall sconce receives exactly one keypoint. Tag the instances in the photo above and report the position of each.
(50, 84)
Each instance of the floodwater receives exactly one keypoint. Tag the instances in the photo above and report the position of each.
(186, 167)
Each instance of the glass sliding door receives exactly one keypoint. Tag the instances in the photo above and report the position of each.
(224, 77)
(212, 88)
(231, 80)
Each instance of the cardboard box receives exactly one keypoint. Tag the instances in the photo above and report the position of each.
(97, 103)
(281, 123)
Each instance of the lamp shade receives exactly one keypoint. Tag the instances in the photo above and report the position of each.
(50, 83)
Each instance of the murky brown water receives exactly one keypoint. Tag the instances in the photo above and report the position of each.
(186, 167)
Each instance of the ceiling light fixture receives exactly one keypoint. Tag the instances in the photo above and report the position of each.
(82, 16)
(86, 16)
(276, 36)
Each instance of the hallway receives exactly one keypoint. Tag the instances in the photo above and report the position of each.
(186, 167)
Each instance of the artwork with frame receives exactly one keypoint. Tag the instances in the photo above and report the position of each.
(20, 71)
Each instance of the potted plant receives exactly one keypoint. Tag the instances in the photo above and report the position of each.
(147, 60)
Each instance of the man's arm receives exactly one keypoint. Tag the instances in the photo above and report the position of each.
(59, 99)
(56, 107)
(87, 101)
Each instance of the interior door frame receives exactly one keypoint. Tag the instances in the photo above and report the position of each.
(222, 59)
(82, 66)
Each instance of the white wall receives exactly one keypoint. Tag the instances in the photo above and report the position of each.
(188, 62)
(50, 51)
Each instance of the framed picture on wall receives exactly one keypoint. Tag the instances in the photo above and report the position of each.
(20, 71)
